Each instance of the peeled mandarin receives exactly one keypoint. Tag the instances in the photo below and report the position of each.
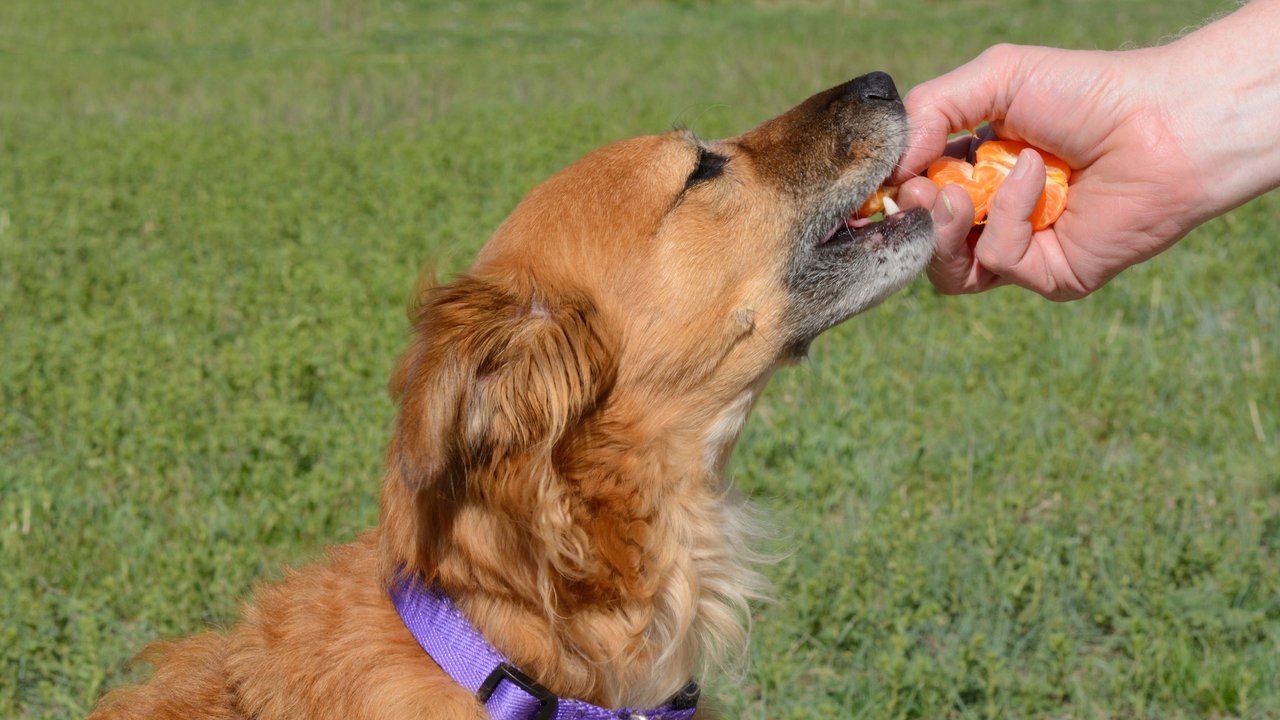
(994, 160)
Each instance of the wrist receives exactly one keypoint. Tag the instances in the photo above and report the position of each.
(1219, 95)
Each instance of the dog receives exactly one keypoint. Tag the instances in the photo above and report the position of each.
(566, 408)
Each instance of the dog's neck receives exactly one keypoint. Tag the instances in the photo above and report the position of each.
(623, 571)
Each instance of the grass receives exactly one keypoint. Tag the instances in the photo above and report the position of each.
(211, 214)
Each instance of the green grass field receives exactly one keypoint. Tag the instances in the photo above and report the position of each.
(212, 213)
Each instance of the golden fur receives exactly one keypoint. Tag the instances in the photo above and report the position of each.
(566, 410)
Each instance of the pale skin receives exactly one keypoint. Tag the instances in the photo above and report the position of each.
(1159, 140)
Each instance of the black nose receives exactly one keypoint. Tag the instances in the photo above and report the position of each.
(875, 86)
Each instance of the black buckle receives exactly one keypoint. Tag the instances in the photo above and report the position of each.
(687, 698)
(547, 701)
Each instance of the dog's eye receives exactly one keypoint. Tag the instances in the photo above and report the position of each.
(710, 165)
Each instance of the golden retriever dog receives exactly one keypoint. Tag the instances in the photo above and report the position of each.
(566, 408)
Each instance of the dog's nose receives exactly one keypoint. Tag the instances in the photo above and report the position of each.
(875, 86)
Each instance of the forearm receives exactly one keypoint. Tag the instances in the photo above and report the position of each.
(1221, 97)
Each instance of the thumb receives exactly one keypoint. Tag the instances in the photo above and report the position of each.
(1006, 240)
(975, 92)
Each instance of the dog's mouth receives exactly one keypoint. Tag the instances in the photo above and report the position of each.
(877, 222)
(863, 214)
(857, 253)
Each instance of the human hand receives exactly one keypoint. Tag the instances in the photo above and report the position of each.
(1134, 191)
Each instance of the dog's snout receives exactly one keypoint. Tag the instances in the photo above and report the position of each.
(814, 143)
(875, 86)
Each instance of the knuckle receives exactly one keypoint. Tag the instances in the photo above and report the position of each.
(990, 259)
(914, 96)
(1000, 53)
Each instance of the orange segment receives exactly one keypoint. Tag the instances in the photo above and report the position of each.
(954, 171)
(994, 161)
(1005, 154)
(875, 203)
(1052, 202)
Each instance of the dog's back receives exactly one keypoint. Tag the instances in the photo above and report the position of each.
(324, 642)
(188, 682)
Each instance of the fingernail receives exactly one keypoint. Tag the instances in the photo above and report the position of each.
(1021, 167)
(943, 212)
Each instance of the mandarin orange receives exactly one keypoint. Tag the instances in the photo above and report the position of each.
(994, 160)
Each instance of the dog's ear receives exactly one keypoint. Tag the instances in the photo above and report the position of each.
(493, 372)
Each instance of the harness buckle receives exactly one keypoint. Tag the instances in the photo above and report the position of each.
(687, 698)
(547, 701)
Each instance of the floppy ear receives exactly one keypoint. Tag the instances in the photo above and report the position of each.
(492, 374)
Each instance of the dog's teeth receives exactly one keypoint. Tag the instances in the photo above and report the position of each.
(890, 207)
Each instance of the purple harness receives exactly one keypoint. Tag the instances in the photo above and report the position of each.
(508, 694)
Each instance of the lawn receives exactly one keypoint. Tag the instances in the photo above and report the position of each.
(212, 213)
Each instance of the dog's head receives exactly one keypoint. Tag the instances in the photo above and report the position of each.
(593, 367)
(693, 244)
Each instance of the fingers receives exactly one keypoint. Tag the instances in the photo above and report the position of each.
(963, 98)
(951, 208)
(1007, 250)
(1007, 236)
(953, 269)
(1010, 249)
